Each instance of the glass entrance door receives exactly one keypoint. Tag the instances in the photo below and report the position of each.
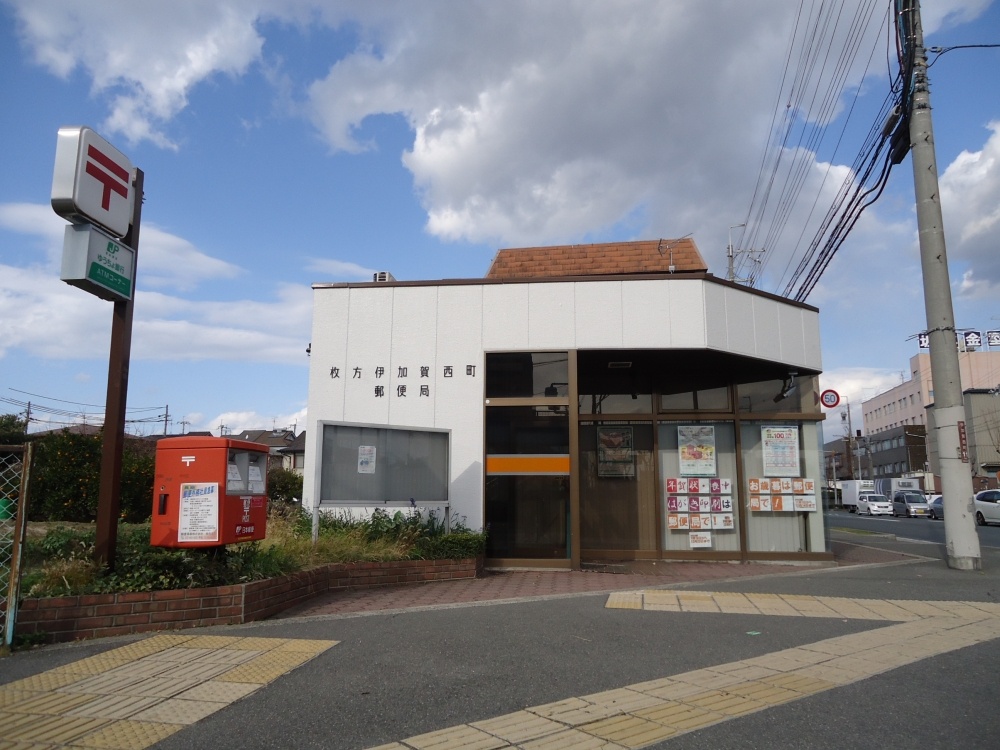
(617, 489)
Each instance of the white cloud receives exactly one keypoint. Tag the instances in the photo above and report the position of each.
(171, 262)
(165, 260)
(970, 202)
(338, 270)
(46, 317)
(146, 56)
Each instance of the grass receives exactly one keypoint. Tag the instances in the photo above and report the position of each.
(58, 557)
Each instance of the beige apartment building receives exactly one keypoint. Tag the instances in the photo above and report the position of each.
(906, 403)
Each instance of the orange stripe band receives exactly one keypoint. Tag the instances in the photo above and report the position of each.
(528, 464)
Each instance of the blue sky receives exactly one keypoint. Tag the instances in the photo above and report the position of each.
(288, 142)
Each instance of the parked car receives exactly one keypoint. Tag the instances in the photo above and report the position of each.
(935, 507)
(874, 504)
(987, 507)
(910, 504)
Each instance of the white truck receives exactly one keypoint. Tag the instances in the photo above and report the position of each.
(892, 485)
(851, 488)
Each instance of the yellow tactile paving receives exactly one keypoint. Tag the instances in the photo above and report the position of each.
(462, 737)
(133, 735)
(571, 739)
(53, 729)
(11, 696)
(642, 714)
(224, 692)
(629, 731)
(52, 703)
(133, 696)
(517, 727)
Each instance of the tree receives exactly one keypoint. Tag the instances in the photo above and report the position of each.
(66, 478)
(283, 485)
(13, 429)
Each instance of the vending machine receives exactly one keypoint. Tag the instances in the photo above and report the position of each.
(209, 492)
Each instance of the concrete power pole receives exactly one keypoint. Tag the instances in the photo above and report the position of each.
(961, 539)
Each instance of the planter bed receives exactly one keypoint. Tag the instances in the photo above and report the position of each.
(69, 618)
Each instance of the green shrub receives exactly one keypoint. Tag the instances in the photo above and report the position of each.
(66, 478)
(60, 563)
(454, 546)
(283, 486)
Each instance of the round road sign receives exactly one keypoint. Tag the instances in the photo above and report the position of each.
(830, 398)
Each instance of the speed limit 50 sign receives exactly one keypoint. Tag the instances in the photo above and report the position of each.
(829, 398)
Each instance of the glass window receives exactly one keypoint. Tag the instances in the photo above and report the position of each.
(369, 465)
(615, 403)
(617, 486)
(781, 466)
(527, 374)
(698, 486)
(527, 481)
(708, 399)
(770, 396)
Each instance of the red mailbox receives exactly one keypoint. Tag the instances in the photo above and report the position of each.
(209, 491)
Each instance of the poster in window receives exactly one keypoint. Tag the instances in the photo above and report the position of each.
(696, 446)
(780, 449)
(366, 459)
(615, 452)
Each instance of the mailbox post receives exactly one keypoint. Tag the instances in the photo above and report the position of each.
(209, 492)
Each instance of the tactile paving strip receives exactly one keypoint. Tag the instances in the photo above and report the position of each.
(646, 713)
(134, 696)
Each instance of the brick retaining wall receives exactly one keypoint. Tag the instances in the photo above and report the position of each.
(68, 618)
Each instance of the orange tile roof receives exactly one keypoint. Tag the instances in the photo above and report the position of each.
(605, 259)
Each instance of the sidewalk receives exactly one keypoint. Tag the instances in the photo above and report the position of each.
(499, 586)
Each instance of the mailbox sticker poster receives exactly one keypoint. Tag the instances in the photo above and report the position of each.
(780, 448)
(615, 455)
(696, 446)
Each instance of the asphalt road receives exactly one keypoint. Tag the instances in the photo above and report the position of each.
(921, 529)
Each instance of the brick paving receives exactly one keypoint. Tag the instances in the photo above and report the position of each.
(507, 585)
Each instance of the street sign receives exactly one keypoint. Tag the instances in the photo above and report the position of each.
(92, 181)
(830, 398)
(97, 263)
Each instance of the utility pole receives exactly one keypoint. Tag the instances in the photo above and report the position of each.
(961, 539)
(166, 418)
(184, 423)
(731, 257)
(846, 416)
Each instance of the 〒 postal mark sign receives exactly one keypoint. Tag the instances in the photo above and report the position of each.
(92, 181)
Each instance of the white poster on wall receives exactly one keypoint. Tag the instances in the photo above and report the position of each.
(696, 446)
(366, 459)
(780, 450)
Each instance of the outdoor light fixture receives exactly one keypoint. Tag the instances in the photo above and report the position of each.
(787, 388)
(552, 390)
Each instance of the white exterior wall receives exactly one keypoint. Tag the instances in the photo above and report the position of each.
(454, 325)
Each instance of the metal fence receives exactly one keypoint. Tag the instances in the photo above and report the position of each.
(15, 461)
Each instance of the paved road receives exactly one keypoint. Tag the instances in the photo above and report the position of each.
(923, 529)
(397, 675)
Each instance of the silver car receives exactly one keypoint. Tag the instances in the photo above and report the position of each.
(874, 505)
(910, 504)
(936, 507)
(987, 507)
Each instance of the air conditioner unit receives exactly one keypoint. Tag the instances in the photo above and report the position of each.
(383, 276)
